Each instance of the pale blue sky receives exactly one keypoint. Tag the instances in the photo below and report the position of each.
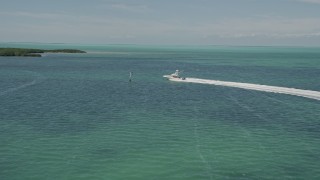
(191, 22)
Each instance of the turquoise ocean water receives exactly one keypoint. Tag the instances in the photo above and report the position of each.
(76, 116)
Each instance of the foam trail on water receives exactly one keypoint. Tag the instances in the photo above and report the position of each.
(17, 88)
(39, 78)
(274, 89)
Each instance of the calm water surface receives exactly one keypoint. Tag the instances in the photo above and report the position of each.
(76, 116)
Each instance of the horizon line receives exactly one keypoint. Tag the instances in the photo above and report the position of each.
(149, 44)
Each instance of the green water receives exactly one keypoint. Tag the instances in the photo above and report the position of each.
(76, 116)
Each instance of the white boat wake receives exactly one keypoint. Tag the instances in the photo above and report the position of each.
(274, 89)
(39, 78)
(18, 88)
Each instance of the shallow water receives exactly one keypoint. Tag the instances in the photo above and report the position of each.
(76, 116)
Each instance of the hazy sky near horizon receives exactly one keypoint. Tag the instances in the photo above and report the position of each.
(192, 22)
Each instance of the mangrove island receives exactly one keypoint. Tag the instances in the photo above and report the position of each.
(34, 52)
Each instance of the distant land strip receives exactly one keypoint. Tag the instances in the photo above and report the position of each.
(34, 52)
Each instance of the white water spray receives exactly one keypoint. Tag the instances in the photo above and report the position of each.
(274, 89)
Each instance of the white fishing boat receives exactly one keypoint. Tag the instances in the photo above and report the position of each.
(175, 75)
